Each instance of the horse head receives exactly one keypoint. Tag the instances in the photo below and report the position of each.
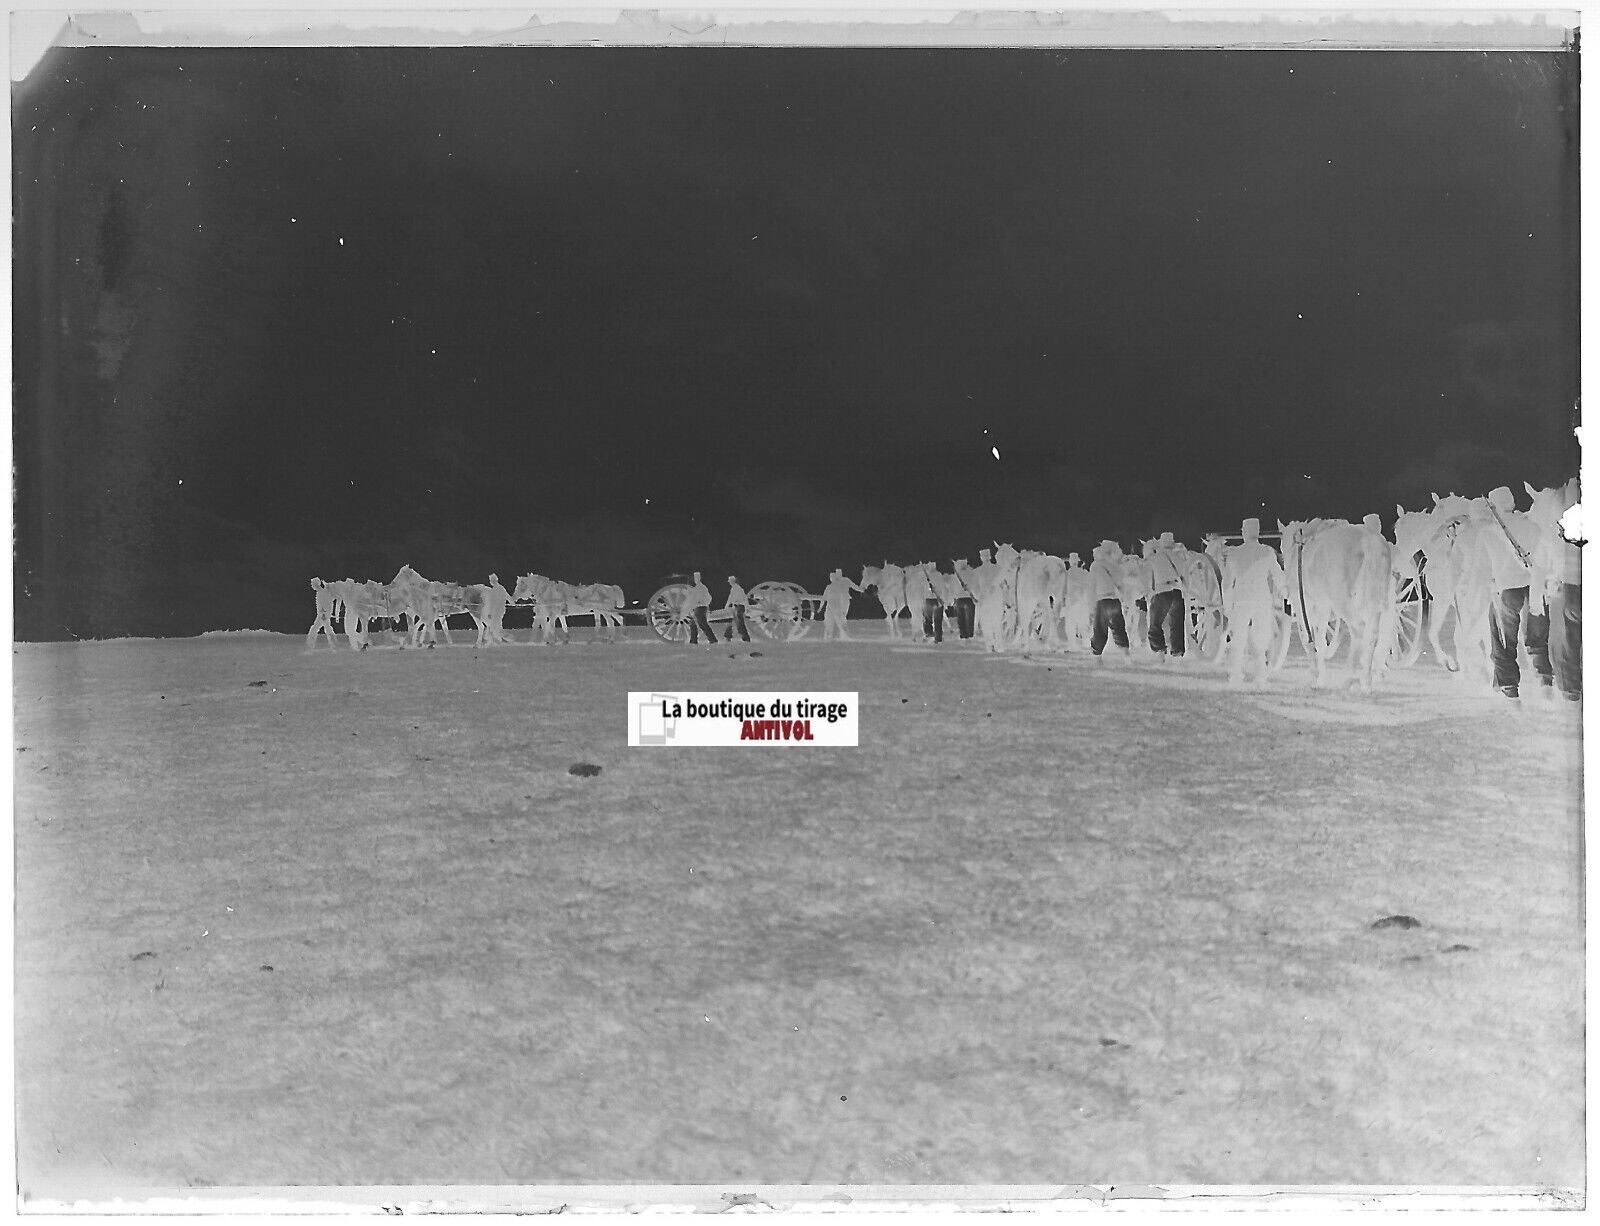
(1550, 504)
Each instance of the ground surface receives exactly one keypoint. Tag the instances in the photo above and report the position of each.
(1051, 922)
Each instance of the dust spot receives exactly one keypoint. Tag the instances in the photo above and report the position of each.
(1397, 921)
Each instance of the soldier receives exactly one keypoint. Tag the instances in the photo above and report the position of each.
(965, 603)
(1252, 593)
(327, 601)
(1164, 600)
(697, 602)
(495, 600)
(1105, 575)
(1512, 576)
(933, 602)
(737, 600)
(836, 604)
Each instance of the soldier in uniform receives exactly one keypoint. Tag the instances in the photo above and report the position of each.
(1252, 593)
(1105, 573)
(698, 601)
(1512, 576)
(1163, 584)
(836, 604)
(737, 601)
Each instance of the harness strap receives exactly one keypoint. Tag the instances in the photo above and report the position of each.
(1300, 575)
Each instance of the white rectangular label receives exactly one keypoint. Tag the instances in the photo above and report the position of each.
(715, 717)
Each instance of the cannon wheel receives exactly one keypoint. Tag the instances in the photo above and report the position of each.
(668, 613)
(1410, 614)
(779, 610)
(1208, 625)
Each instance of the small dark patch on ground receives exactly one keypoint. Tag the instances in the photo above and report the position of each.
(253, 683)
(585, 770)
(265, 967)
(1397, 921)
(142, 954)
(1456, 949)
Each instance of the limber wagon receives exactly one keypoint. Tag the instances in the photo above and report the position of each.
(777, 609)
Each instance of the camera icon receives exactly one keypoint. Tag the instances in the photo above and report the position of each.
(656, 727)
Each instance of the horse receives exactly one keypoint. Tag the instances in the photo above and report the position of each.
(549, 599)
(1040, 596)
(1342, 574)
(1130, 593)
(1429, 543)
(602, 601)
(1077, 606)
(920, 589)
(1549, 513)
(410, 594)
(890, 582)
(452, 598)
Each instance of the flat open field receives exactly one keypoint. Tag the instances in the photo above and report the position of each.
(1052, 922)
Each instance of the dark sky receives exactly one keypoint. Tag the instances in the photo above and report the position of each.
(607, 314)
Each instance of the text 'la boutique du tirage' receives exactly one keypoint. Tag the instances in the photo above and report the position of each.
(721, 718)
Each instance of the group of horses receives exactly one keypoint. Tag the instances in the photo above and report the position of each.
(1342, 583)
(420, 609)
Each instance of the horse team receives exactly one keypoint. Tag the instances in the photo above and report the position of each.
(1489, 570)
(423, 607)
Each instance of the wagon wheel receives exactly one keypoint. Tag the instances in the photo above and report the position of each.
(1208, 627)
(810, 610)
(778, 610)
(669, 613)
(1410, 614)
(1208, 624)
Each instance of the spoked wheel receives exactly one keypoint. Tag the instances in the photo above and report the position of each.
(779, 610)
(1410, 618)
(669, 613)
(1209, 630)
